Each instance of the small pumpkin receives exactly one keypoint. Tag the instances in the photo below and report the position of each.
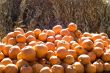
(57, 69)
(14, 50)
(50, 33)
(98, 51)
(42, 36)
(1, 56)
(45, 70)
(37, 67)
(78, 67)
(20, 38)
(84, 59)
(90, 68)
(72, 27)
(2, 68)
(37, 32)
(11, 68)
(63, 43)
(61, 52)
(69, 59)
(6, 61)
(50, 45)
(26, 69)
(41, 50)
(70, 69)
(21, 62)
(50, 39)
(57, 29)
(99, 66)
(54, 60)
(106, 67)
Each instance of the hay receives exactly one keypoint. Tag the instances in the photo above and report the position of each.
(90, 15)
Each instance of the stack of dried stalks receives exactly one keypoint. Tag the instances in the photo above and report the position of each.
(90, 15)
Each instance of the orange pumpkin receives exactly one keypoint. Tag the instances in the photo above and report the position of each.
(98, 51)
(5, 39)
(78, 33)
(21, 45)
(10, 35)
(99, 66)
(92, 56)
(64, 44)
(11, 68)
(37, 67)
(28, 33)
(50, 45)
(19, 29)
(96, 36)
(41, 50)
(73, 53)
(49, 54)
(32, 43)
(50, 39)
(50, 33)
(64, 32)
(30, 38)
(54, 60)
(67, 38)
(84, 59)
(2, 46)
(6, 50)
(87, 44)
(70, 69)
(105, 57)
(45, 70)
(90, 68)
(57, 29)
(86, 34)
(20, 38)
(11, 41)
(79, 50)
(21, 63)
(1, 55)
(6, 61)
(99, 44)
(73, 45)
(61, 52)
(69, 59)
(58, 37)
(16, 32)
(26, 69)
(78, 67)
(42, 36)
(27, 53)
(106, 67)
(2, 68)
(14, 50)
(103, 34)
(72, 27)
(57, 69)
(37, 32)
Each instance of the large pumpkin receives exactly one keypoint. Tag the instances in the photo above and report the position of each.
(11, 68)
(27, 53)
(41, 50)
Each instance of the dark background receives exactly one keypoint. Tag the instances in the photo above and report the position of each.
(89, 15)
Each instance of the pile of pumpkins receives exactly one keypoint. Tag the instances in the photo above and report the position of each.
(56, 50)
